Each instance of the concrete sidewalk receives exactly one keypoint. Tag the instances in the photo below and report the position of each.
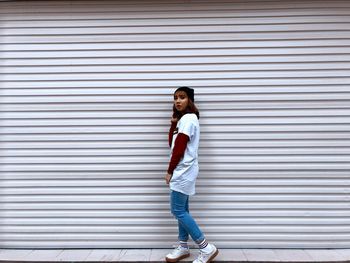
(157, 255)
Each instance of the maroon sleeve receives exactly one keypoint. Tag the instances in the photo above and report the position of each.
(171, 131)
(178, 151)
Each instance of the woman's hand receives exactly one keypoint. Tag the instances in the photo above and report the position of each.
(168, 178)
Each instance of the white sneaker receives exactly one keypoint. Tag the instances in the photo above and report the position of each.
(177, 254)
(207, 257)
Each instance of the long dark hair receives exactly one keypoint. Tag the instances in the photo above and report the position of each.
(191, 108)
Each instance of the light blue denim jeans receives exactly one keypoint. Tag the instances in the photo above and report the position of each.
(187, 225)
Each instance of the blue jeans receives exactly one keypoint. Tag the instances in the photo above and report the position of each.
(187, 225)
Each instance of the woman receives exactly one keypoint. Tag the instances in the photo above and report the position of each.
(182, 173)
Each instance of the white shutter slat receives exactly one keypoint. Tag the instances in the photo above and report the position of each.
(212, 68)
(176, 53)
(178, 22)
(245, 62)
(128, 83)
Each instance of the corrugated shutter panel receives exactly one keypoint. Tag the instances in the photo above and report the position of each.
(86, 103)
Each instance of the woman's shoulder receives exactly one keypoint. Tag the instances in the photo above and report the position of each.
(189, 117)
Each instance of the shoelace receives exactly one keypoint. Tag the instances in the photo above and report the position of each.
(178, 248)
(201, 257)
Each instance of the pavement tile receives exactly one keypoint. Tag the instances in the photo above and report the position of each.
(73, 255)
(140, 255)
(14, 254)
(104, 255)
(345, 253)
(231, 255)
(261, 255)
(325, 255)
(293, 255)
(43, 255)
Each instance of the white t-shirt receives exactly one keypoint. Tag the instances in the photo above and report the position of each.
(186, 172)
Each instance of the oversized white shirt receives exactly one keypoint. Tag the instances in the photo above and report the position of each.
(186, 172)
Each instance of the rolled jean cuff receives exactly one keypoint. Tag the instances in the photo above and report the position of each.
(200, 239)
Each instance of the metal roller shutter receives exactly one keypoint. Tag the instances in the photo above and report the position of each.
(86, 96)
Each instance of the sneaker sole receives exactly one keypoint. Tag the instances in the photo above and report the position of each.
(172, 260)
(213, 256)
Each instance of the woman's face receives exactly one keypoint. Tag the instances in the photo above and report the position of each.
(180, 101)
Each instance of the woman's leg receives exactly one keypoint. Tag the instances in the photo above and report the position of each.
(187, 225)
(183, 234)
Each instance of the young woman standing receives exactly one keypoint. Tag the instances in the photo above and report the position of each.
(182, 173)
